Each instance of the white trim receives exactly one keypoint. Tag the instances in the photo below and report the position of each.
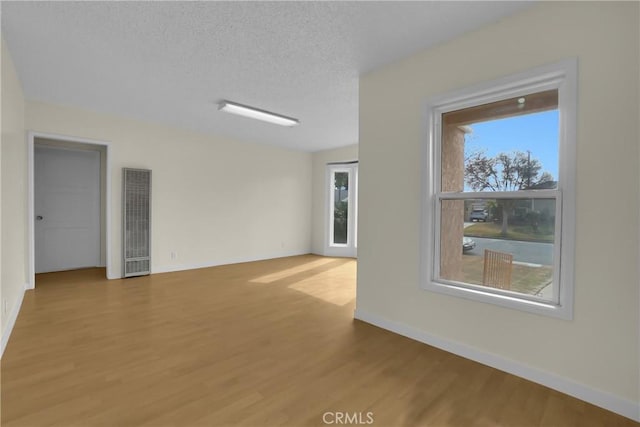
(227, 261)
(109, 266)
(568, 106)
(603, 399)
(515, 84)
(31, 274)
(522, 194)
(11, 321)
(561, 76)
(31, 136)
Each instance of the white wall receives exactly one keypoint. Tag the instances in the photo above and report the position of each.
(596, 355)
(13, 202)
(214, 200)
(319, 202)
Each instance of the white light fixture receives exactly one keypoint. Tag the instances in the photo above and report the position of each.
(255, 113)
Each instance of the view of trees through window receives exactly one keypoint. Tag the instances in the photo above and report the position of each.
(507, 146)
(341, 207)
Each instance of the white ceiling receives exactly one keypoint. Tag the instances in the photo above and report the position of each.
(172, 62)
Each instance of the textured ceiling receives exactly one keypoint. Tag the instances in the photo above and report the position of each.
(172, 62)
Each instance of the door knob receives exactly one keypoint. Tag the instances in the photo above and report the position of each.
(39, 218)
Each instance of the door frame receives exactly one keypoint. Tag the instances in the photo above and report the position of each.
(105, 208)
(350, 249)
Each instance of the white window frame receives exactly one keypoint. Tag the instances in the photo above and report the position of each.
(563, 77)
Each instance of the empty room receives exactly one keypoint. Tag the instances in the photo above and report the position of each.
(397, 213)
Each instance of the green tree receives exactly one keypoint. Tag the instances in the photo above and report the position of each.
(341, 183)
(341, 208)
(505, 172)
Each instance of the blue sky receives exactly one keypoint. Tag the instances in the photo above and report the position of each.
(536, 132)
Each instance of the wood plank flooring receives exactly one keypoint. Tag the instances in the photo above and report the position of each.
(267, 343)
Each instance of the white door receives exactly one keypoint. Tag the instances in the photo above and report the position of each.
(67, 208)
(342, 239)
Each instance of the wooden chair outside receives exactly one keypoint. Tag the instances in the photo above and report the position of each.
(497, 269)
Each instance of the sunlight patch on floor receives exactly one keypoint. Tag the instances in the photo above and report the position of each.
(329, 286)
(283, 274)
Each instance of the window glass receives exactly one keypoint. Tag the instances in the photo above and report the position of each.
(528, 237)
(340, 207)
(509, 145)
(505, 146)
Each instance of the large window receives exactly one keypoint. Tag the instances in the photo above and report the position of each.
(499, 199)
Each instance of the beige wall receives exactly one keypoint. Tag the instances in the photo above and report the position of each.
(14, 187)
(598, 350)
(319, 202)
(214, 200)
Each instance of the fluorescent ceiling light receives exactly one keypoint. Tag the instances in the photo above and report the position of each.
(255, 113)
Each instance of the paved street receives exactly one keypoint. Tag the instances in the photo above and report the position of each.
(529, 252)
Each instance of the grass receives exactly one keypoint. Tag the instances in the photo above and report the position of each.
(514, 232)
(524, 279)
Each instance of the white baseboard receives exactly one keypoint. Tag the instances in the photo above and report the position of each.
(11, 321)
(600, 398)
(227, 261)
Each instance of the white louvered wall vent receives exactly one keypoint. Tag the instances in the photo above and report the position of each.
(136, 221)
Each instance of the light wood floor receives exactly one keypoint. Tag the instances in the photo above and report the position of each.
(257, 344)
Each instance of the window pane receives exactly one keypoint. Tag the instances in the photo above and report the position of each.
(508, 145)
(520, 228)
(340, 207)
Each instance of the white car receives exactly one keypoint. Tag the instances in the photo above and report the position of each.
(468, 244)
(478, 215)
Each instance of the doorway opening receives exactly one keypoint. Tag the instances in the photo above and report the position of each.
(69, 204)
(342, 204)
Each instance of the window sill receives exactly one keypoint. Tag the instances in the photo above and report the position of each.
(545, 308)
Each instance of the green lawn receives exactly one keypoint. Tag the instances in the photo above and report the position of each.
(514, 232)
(524, 279)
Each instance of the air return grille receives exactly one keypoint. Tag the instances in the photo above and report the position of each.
(136, 221)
